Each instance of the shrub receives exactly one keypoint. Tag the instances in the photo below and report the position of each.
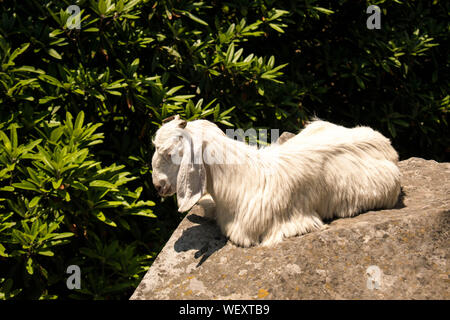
(259, 64)
(62, 207)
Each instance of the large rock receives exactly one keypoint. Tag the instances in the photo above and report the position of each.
(402, 253)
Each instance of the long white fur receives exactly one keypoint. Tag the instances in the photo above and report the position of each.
(265, 195)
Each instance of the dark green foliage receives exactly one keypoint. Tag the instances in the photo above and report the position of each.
(62, 207)
(72, 195)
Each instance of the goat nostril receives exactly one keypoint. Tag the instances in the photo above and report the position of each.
(160, 187)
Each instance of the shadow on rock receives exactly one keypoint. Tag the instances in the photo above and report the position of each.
(205, 237)
(400, 203)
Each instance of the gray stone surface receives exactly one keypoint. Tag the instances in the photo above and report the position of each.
(409, 244)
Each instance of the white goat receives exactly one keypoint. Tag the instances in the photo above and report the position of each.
(283, 190)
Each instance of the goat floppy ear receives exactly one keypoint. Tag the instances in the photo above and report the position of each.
(191, 179)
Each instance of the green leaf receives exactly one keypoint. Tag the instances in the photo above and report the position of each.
(223, 114)
(78, 185)
(261, 90)
(391, 129)
(230, 29)
(34, 201)
(102, 184)
(91, 30)
(51, 80)
(278, 13)
(271, 62)
(18, 51)
(173, 90)
(29, 266)
(119, 6)
(401, 123)
(237, 55)
(55, 33)
(57, 184)
(323, 10)
(20, 237)
(3, 251)
(230, 53)
(26, 186)
(360, 82)
(102, 7)
(47, 253)
(122, 222)
(79, 120)
(276, 27)
(194, 18)
(108, 204)
(145, 213)
(6, 141)
(63, 235)
(54, 54)
(101, 216)
(13, 134)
